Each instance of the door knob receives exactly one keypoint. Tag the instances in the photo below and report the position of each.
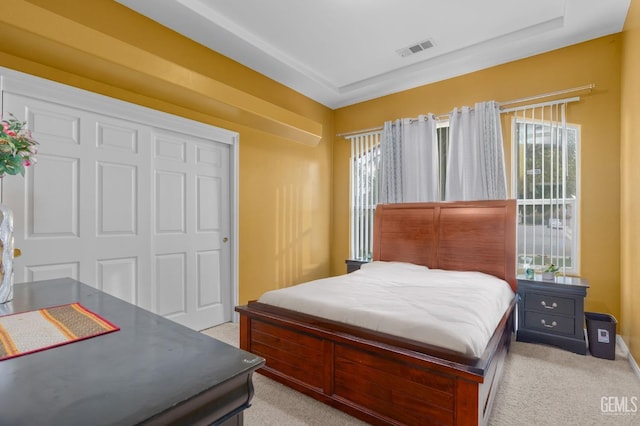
(225, 239)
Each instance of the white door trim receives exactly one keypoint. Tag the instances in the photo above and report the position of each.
(26, 85)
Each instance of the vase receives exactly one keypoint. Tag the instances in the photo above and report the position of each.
(6, 256)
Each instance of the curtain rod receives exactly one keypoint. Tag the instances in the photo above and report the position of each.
(548, 95)
(540, 105)
(515, 101)
(360, 132)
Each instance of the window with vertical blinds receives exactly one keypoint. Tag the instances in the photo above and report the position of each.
(365, 160)
(545, 183)
(545, 165)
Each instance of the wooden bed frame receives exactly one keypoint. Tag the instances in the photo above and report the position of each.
(382, 379)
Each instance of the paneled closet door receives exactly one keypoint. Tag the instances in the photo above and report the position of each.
(82, 210)
(122, 204)
(190, 233)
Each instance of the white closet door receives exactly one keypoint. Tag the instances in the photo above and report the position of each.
(121, 204)
(79, 212)
(190, 229)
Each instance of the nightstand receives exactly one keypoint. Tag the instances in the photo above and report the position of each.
(552, 312)
(354, 265)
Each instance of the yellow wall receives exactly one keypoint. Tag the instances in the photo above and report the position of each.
(285, 138)
(597, 62)
(630, 176)
(294, 171)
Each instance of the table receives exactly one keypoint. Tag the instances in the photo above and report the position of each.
(552, 312)
(151, 371)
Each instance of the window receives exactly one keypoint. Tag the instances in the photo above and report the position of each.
(443, 147)
(545, 169)
(545, 184)
(365, 159)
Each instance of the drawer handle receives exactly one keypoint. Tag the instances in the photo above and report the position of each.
(553, 324)
(553, 305)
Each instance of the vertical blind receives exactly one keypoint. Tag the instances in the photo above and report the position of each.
(545, 182)
(365, 161)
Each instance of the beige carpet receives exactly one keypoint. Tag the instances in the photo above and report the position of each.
(542, 385)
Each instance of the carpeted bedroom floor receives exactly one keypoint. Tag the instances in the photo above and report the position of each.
(542, 385)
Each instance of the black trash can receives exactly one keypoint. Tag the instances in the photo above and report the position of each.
(601, 332)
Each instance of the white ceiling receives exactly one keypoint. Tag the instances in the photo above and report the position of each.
(341, 52)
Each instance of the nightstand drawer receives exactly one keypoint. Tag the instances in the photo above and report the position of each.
(549, 323)
(549, 303)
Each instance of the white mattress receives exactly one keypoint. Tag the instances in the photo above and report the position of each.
(454, 310)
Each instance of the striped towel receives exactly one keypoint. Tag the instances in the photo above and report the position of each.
(33, 331)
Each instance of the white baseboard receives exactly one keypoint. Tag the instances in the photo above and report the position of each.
(623, 350)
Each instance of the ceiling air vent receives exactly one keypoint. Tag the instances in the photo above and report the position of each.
(418, 47)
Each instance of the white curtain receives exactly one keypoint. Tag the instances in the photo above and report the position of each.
(475, 162)
(409, 161)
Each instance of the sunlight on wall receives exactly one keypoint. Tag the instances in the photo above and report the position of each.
(293, 231)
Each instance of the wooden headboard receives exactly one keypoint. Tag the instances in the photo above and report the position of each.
(462, 236)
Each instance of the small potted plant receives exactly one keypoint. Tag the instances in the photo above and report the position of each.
(549, 273)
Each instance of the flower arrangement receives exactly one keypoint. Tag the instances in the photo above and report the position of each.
(17, 147)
